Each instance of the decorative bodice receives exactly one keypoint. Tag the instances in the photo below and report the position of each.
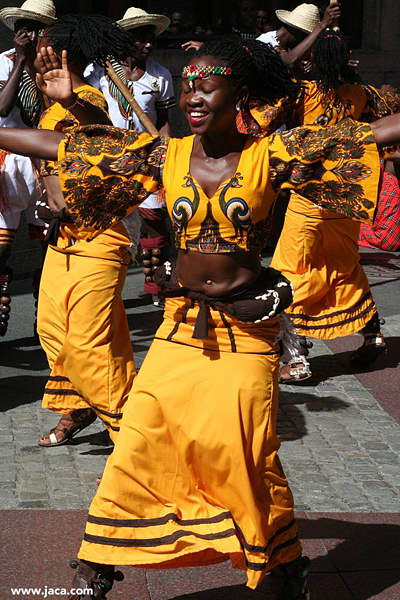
(238, 215)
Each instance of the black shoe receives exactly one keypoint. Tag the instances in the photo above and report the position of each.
(289, 581)
(93, 582)
(373, 347)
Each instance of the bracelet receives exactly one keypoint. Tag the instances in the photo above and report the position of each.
(77, 102)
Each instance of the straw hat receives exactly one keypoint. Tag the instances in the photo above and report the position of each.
(305, 17)
(136, 17)
(43, 11)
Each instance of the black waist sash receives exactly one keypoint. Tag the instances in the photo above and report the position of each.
(54, 220)
(244, 304)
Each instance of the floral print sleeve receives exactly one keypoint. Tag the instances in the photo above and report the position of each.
(379, 104)
(57, 118)
(335, 167)
(271, 117)
(105, 172)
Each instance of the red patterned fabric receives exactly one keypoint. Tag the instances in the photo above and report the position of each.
(153, 214)
(384, 233)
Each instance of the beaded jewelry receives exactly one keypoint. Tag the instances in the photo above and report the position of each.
(276, 300)
(201, 72)
(77, 102)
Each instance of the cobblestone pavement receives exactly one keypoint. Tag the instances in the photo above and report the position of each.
(339, 446)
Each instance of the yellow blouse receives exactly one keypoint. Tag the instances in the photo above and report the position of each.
(361, 102)
(111, 244)
(105, 172)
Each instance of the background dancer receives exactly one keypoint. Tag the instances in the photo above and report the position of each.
(151, 84)
(301, 27)
(228, 496)
(318, 249)
(20, 106)
(82, 322)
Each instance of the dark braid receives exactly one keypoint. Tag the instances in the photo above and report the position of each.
(255, 65)
(90, 38)
(330, 58)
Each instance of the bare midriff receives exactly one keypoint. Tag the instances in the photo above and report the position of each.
(217, 274)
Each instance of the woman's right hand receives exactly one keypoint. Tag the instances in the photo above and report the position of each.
(23, 46)
(52, 80)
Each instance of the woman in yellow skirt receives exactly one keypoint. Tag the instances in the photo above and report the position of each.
(318, 249)
(194, 478)
(82, 322)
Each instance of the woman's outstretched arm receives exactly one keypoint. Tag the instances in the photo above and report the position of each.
(386, 131)
(30, 142)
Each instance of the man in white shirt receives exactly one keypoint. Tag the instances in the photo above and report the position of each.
(20, 106)
(151, 85)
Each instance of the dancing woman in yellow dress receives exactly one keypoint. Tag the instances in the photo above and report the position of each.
(318, 248)
(194, 478)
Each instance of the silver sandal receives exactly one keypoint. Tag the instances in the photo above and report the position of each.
(299, 370)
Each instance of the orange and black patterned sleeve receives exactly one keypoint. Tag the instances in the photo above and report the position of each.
(335, 167)
(105, 172)
(271, 117)
(379, 104)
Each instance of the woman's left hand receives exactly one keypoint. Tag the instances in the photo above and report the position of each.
(52, 80)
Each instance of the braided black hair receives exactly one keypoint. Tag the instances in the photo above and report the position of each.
(255, 65)
(89, 38)
(330, 58)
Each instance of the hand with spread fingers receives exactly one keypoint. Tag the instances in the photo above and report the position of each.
(52, 80)
(192, 45)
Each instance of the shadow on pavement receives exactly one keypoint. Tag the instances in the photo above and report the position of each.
(145, 324)
(354, 555)
(20, 390)
(230, 592)
(144, 300)
(23, 353)
(100, 438)
(291, 424)
(345, 561)
(390, 360)
(323, 368)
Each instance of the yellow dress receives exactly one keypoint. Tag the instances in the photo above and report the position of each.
(82, 322)
(194, 477)
(318, 248)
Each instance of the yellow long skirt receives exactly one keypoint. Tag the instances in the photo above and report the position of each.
(318, 253)
(194, 478)
(83, 329)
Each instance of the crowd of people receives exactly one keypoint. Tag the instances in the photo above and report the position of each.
(278, 121)
(248, 18)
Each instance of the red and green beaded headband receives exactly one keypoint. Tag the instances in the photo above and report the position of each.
(201, 72)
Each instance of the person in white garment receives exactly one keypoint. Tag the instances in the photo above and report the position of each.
(20, 106)
(151, 84)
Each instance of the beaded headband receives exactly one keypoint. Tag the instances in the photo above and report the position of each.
(201, 72)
